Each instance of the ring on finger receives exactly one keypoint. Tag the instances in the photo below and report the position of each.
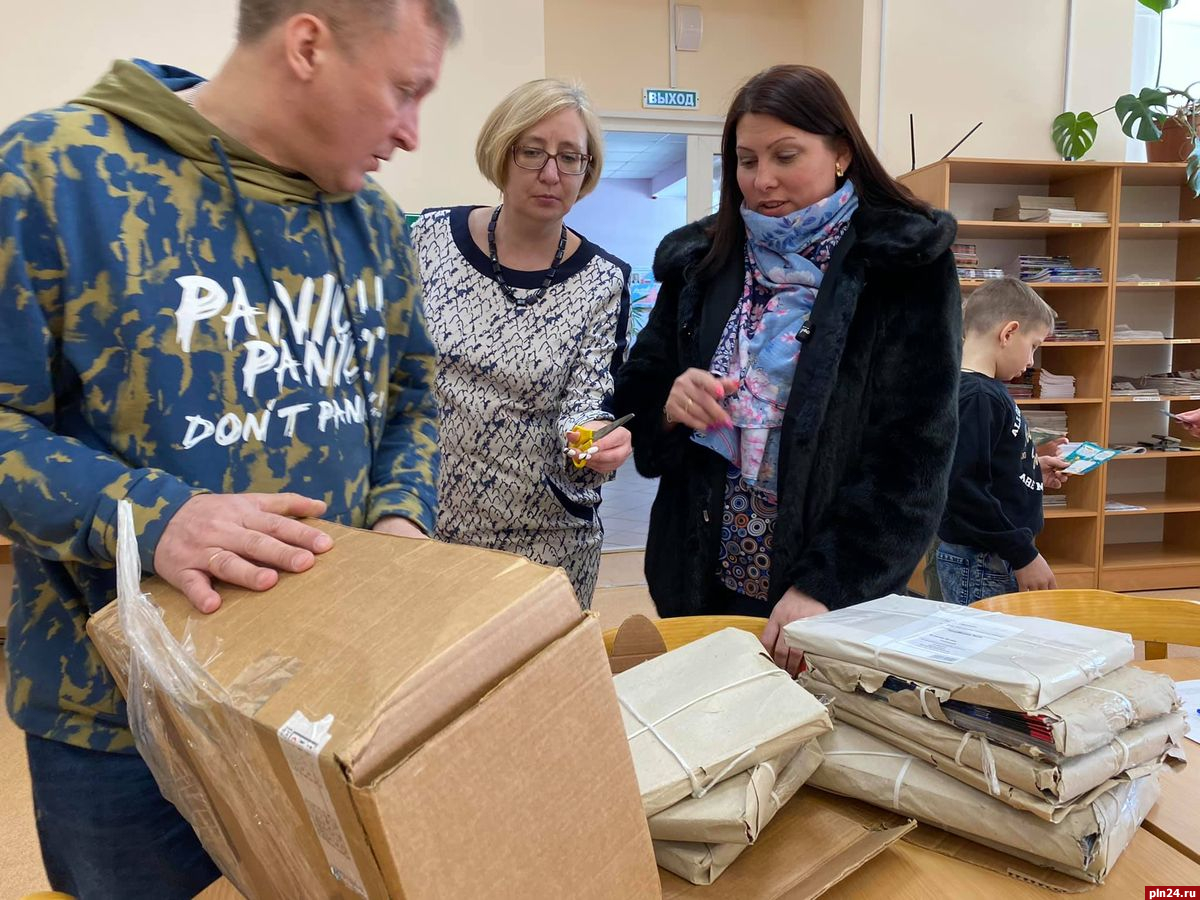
(687, 407)
(216, 553)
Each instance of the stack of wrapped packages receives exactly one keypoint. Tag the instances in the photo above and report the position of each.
(721, 738)
(1029, 736)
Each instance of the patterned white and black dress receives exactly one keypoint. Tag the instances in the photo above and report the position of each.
(512, 379)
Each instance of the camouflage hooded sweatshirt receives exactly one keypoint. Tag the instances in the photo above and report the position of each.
(179, 315)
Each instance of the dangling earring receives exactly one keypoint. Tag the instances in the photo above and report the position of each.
(838, 169)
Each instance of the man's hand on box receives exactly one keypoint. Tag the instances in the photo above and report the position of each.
(791, 606)
(399, 526)
(242, 539)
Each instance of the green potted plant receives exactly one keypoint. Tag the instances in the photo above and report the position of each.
(1166, 118)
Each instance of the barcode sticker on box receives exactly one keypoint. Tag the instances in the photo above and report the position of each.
(302, 740)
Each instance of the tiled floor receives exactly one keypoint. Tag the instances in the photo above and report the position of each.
(626, 509)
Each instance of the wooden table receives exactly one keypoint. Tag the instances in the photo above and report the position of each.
(1176, 817)
(5, 551)
(908, 872)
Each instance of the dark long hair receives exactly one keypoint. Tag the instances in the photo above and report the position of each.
(808, 99)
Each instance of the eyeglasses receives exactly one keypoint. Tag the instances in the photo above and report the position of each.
(569, 162)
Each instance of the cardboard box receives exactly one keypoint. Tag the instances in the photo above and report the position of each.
(814, 842)
(989, 658)
(1047, 789)
(408, 719)
(1085, 845)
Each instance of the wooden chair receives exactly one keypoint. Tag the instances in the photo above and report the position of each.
(684, 629)
(1157, 621)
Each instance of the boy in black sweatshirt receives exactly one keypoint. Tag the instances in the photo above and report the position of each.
(994, 507)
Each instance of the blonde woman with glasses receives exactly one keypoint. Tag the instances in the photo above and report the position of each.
(529, 320)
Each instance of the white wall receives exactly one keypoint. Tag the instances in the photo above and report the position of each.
(52, 54)
(953, 63)
(621, 217)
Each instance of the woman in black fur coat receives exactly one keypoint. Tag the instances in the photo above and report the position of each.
(795, 386)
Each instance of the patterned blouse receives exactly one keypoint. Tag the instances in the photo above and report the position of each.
(512, 380)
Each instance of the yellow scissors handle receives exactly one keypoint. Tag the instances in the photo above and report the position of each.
(586, 439)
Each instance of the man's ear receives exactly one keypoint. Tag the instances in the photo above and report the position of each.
(306, 38)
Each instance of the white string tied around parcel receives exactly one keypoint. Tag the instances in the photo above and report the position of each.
(698, 789)
(908, 761)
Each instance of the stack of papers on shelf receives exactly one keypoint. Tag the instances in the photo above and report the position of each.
(979, 274)
(1050, 386)
(1125, 333)
(966, 258)
(1137, 278)
(1046, 424)
(1053, 270)
(1064, 332)
(1173, 384)
(1127, 386)
(1111, 505)
(1050, 216)
(1021, 387)
(1054, 501)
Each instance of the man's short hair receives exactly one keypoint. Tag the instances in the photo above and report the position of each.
(1005, 300)
(257, 17)
(521, 110)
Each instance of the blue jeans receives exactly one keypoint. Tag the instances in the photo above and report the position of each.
(968, 574)
(107, 832)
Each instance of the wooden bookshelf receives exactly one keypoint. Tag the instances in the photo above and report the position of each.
(1150, 258)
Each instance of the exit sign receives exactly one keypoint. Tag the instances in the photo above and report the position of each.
(669, 98)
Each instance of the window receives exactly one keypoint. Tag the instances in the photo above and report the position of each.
(1180, 52)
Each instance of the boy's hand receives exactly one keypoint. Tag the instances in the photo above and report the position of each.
(1051, 447)
(1036, 576)
(1052, 467)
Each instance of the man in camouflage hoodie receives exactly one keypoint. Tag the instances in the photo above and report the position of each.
(208, 310)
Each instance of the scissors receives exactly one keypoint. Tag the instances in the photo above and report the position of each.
(587, 438)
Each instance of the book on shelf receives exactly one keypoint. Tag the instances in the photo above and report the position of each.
(1054, 501)
(966, 274)
(1127, 386)
(1049, 386)
(1037, 201)
(1185, 383)
(1053, 269)
(1049, 216)
(1046, 424)
(1174, 384)
(1064, 332)
(1111, 505)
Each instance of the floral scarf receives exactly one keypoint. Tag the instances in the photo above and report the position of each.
(786, 258)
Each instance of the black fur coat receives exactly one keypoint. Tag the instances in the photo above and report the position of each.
(868, 435)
